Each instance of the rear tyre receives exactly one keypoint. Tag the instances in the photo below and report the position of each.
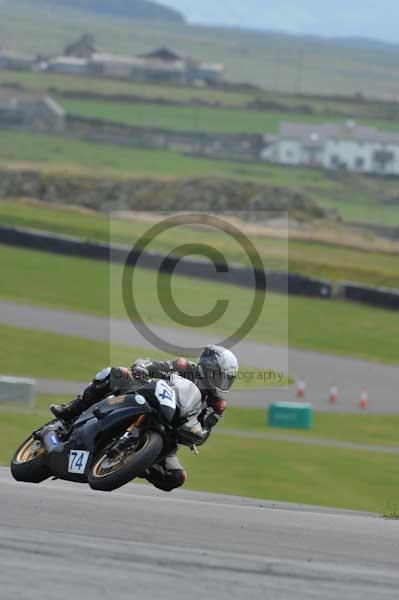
(28, 462)
(107, 474)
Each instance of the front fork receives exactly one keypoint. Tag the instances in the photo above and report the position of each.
(128, 440)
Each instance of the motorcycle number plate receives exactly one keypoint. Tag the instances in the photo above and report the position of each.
(78, 461)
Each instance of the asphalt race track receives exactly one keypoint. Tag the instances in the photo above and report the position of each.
(62, 540)
(321, 371)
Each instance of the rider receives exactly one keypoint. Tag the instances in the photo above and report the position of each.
(214, 374)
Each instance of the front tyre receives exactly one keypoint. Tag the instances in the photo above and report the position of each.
(28, 463)
(107, 474)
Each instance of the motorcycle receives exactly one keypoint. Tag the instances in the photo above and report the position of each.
(108, 445)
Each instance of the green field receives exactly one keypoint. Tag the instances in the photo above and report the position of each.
(361, 428)
(311, 258)
(292, 472)
(72, 358)
(282, 471)
(60, 84)
(355, 197)
(266, 59)
(57, 83)
(102, 159)
(50, 280)
(198, 119)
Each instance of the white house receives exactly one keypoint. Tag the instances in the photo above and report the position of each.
(346, 146)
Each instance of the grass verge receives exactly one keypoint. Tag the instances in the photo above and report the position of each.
(362, 428)
(292, 472)
(332, 327)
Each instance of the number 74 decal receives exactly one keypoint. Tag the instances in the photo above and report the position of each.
(78, 461)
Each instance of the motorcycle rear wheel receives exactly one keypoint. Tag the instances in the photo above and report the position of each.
(28, 462)
(107, 474)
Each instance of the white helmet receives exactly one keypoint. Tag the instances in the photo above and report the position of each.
(217, 368)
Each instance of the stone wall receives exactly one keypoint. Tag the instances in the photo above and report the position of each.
(222, 146)
(31, 114)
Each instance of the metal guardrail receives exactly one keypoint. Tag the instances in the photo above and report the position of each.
(375, 296)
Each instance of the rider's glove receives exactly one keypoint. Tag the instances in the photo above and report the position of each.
(211, 419)
(214, 413)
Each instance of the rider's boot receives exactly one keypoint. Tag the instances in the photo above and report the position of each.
(68, 412)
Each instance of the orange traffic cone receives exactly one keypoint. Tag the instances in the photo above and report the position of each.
(301, 389)
(364, 399)
(333, 395)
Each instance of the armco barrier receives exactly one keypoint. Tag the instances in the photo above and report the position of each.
(306, 286)
(277, 281)
(381, 297)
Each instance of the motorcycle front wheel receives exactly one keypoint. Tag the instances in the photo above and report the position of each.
(28, 462)
(109, 473)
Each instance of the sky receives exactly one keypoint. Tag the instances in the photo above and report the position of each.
(338, 18)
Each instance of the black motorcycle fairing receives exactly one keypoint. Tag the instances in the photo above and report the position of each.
(108, 405)
(112, 424)
(89, 433)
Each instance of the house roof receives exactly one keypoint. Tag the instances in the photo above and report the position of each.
(316, 134)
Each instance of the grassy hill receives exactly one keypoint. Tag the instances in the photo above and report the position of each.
(274, 61)
(136, 9)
